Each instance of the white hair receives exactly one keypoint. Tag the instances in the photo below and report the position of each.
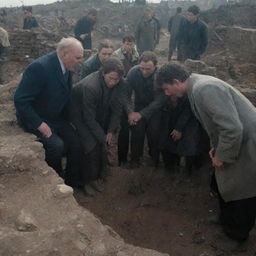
(67, 44)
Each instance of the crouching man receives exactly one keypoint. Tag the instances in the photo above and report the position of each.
(41, 101)
(96, 110)
(230, 120)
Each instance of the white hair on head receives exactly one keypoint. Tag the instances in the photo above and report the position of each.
(67, 43)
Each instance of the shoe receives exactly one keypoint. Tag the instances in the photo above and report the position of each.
(97, 185)
(88, 190)
(227, 244)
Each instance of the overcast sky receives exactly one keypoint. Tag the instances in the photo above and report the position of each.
(12, 3)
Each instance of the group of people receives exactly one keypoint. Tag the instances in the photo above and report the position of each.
(124, 92)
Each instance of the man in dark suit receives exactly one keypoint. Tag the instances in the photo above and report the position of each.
(41, 102)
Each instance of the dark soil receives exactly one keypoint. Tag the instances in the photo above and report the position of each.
(157, 210)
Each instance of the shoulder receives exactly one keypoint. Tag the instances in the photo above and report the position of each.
(93, 59)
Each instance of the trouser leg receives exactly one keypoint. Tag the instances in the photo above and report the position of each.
(152, 132)
(123, 140)
(54, 148)
(137, 140)
(74, 153)
(237, 217)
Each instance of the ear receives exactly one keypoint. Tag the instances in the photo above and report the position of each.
(176, 82)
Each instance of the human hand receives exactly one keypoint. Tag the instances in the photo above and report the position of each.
(176, 135)
(83, 36)
(215, 161)
(45, 130)
(109, 138)
(134, 118)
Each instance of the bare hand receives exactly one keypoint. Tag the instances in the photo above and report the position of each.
(134, 118)
(83, 36)
(176, 135)
(109, 138)
(215, 161)
(45, 130)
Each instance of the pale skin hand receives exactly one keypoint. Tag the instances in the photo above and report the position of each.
(45, 130)
(176, 135)
(134, 118)
(83, 36)
(109, 138)
(215, 161)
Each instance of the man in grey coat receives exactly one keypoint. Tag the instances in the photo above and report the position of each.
(95, 112)
(230, 120)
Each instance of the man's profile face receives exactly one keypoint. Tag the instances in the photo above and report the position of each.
(92, 17)
(112, 79)
(147, 68)
(104, 54)
(191, 17)
(128, 46)
(73, 57)
(174, 89)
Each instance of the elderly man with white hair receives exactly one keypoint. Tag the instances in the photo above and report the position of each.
(42, 100)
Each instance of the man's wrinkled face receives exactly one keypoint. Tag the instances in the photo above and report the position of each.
(112, 79)
(104, 54)
(174, 89)
(147, 68)
(191, 17)
(128, 46)
(73, 57)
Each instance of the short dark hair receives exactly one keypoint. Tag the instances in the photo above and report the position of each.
(148, 56)
(179, 10)
(113, 65)
(27, 8)
(128, 38)
(92, 11)
(168, 72)
(105, 44)
(194, 9)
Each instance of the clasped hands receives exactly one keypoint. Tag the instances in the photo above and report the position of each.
(134, 118)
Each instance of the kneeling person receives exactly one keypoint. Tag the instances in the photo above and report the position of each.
(96, 113)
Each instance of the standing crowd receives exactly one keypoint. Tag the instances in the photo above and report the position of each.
(124, 92)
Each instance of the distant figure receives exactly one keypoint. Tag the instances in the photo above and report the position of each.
(129, 57)
(84, 27)
(105, 50)
(193, 36)
(29, 20)
(173, 28)
(42, 99)
(146, 33)
(4, 43)
(127, 53)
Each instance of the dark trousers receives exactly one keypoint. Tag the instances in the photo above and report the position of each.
(95, 164)
(144, 128)
(237, 217)
(123, 139)
(64, 139)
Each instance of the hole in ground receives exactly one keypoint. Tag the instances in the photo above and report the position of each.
(155, 210)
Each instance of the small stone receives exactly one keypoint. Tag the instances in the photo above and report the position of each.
(63, 190)
(25, 222)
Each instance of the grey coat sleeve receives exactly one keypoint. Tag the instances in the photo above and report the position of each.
(159, 101)
(217, 103)
(89, 106)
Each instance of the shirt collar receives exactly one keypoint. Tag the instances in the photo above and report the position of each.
(62, 65)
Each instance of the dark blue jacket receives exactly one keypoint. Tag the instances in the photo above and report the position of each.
(43, 94)
(194, 36)
(30, 22)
